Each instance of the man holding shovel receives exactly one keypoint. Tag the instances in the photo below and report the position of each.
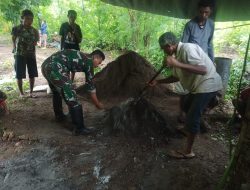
(196, 73)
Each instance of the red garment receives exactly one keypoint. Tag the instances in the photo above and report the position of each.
(2, 102)
(245, 94)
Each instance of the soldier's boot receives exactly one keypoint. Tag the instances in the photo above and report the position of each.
(77, 119)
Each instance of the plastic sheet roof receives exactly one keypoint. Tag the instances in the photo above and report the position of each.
(225, 10)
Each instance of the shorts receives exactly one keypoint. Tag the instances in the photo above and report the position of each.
(193, 105)
(20, 66)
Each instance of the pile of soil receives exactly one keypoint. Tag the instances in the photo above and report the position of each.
(125, 77)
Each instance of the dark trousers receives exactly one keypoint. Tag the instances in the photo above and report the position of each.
(193, 105)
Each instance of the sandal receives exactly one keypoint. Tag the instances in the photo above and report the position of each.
(22, 96)
(180, 154)
(32, 96)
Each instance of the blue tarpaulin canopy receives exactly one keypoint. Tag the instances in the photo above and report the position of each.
(225, 10)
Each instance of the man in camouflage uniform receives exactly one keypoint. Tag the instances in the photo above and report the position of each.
(56, 70)
(25, 38)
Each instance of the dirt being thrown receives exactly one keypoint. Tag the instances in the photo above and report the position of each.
(137, 118)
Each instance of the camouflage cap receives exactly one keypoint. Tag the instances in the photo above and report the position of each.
(168, 38)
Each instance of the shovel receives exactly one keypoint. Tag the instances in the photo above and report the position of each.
(145, 87)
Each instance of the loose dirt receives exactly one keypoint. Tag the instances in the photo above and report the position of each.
(44, 155)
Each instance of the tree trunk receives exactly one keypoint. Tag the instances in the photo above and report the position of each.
(240, 176)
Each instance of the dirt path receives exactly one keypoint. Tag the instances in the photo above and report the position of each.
(44, 155)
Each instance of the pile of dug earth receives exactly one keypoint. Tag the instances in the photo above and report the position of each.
(123, 79)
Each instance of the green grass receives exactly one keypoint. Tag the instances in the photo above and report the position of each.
(12, 92)
(7, 65)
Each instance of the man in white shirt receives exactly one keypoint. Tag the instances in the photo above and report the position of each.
(196, 73)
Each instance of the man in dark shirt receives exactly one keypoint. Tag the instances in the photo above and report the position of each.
(71, 35)
(200, 29)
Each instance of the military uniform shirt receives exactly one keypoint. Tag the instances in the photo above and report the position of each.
(58, 66)
(26, 40)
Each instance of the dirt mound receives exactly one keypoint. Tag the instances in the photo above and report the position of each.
(125, 77)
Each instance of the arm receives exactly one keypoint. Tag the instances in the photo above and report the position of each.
(167, 80)
(90, 86)
(14, 37)
(61, 33)
(95, 100)
(196, 69)
(186, 34)
(77, 33)
(36, 37)
(210, 45)
(14, 42)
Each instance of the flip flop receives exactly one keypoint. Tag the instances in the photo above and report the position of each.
(180, 155)
(22, 96)
(33, 96)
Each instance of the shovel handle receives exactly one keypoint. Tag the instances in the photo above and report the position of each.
(156, 74)
(151, 80)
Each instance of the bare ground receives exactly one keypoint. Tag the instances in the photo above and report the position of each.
(44, 155)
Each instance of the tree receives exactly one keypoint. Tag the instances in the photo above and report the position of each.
(240, 176)
(11, 8)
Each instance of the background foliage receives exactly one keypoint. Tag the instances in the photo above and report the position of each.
(118, 29)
